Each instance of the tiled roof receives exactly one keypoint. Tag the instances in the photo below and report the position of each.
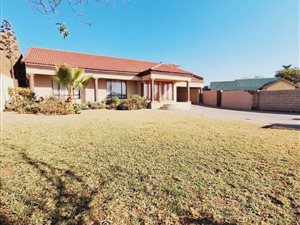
(41, 56)
(241, 84)
(224, 85)
(169, 68)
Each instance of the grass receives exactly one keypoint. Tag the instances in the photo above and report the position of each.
(146, 167)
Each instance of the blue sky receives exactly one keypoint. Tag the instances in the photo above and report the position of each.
(217, 39)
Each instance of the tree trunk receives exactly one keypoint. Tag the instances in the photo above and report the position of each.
(70, 95)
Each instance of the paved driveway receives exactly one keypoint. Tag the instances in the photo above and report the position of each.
(258, 117)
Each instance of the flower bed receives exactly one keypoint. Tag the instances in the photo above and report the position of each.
(23, 100)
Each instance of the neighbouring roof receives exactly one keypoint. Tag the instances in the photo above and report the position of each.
(279, 80)
(49, 57)
(242, 84)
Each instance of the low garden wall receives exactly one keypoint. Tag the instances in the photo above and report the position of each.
(271, 100)
(280, 100)
(236, 100)
(209, 98)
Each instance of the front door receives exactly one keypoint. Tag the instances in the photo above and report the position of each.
(163, 91)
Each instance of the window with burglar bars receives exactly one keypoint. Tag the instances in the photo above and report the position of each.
(116, 88)
(61, 92)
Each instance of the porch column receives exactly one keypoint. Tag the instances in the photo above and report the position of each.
(152, 90)
(96, 89)
(159, 86)
(188, 91)
(173, 92)
(31, 81)
(83, 95)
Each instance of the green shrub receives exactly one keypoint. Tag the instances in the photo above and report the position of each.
(29, 108)
(55, 106)
(77, 108)
(113, 103)
(24, 92)
(81, 106)
(96, 105)
(137, 102)
(21, 100)
(124, 105)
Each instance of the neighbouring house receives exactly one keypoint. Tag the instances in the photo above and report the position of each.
(252, 85)
(161, 84)
(262, 94)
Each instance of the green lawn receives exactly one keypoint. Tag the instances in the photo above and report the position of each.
(146, 167)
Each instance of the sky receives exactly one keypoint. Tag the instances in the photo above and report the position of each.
(216, 39)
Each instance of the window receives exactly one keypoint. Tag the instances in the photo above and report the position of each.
(116, 88)
(60, 91)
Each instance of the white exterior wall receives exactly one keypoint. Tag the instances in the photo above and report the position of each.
(102, 89)
(43, 86)
(89, 92)
(5, 83)
(131, 88)
(192, 84)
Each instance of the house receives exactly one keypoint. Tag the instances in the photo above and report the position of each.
(247, 94)
(252, 84)
(159, 83)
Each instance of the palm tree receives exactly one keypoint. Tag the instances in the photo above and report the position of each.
(71, 78)
(290, 74)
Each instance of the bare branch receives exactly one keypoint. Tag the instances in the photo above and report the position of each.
(50, 7)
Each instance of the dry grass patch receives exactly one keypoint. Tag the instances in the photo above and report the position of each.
(146, 167)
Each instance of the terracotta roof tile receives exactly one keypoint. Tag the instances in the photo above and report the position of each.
(42, 56)
(169, 68)
(87, 61)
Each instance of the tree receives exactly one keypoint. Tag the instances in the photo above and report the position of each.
(71, 78)
(49, 8)
(63, 29)
(290, 74)
(6, 27)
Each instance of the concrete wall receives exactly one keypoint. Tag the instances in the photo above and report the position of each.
(236, 100)
(89, 92)
(139, 88)
(210, 98)
(132, 88)
(279, 100)
(5, 83)
(101, 89)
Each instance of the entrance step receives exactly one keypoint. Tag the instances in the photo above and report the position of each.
(176, 106)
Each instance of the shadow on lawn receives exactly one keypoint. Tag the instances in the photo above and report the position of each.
(4, 220)
(69, 204)
(283, 126)
(202, 221)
